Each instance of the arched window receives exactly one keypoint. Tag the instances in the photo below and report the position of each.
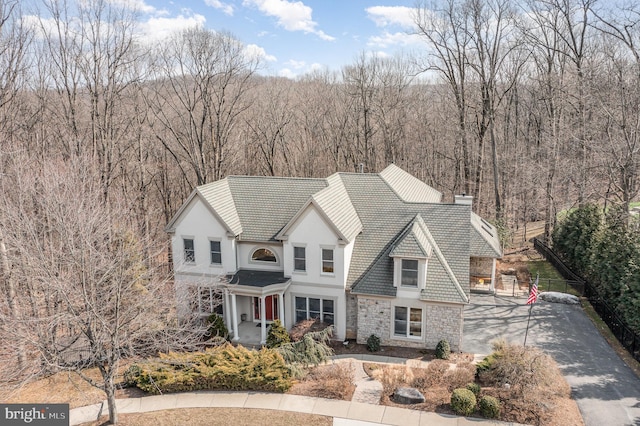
(263, 255)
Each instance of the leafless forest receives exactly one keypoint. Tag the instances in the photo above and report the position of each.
(529, 106)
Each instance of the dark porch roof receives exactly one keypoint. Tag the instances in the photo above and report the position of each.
(259, 279)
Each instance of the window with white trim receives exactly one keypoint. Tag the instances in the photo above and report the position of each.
(314, 308)
(299, 259)
(327, 261)
(216, 252)
(264, 255)
(189, 250)
(407, 322)
(409, 277)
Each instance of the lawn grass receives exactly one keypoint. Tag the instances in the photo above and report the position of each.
(550, 278)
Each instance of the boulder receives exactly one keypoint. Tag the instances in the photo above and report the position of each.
(408, 396)
(556, 297)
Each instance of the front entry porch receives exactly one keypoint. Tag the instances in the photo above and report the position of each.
(253, 300)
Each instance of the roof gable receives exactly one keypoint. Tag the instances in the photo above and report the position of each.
(414, 242)
(225, 213)
(334, 204)
(408, 187)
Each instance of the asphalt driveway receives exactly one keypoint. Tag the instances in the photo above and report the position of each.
(606, 390)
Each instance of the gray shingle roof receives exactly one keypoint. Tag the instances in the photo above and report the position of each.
(484, 238)
(408, 187)
(414, 242)
(266, 204)
(219, 197)
(386, 218)
(388, 214)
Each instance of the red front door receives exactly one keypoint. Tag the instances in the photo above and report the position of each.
(271, 308)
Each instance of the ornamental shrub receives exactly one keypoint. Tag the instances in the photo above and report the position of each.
(277, 335)
(373, 343)
(489, 407)
(223, 367)
(443, 350)
(216, 327)
(475, 388)
(463, 402)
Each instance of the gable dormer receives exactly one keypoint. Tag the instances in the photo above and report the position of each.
(410, 257)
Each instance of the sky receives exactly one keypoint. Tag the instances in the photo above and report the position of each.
(292, 37)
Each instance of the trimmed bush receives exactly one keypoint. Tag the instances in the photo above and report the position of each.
(223, 367)
(277, 335)
(489, 407)
(373, 343)
(463, 402)
(443, 350)
(216, 327)
(475, 388)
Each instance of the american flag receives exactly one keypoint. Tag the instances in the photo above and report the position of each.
(533, 295)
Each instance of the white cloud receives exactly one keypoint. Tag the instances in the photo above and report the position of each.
(387, 39)
(296, 64)
(292, 16)
(155, 29)
(255, 51)
(385, 16)
(286, 72)
(138, 5)
(226, 8)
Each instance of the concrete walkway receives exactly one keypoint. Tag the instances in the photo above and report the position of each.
(345, 413)
(363, 410)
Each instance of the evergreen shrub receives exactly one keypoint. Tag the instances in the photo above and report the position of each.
(373, 343)
(489, 407)
(224, 367)
(216, 327)
(463, 402)
(475, 388)
(277, 336)
(443, 350)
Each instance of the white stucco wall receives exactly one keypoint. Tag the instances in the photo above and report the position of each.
(314, 233)
(197, 222)
(246, 249)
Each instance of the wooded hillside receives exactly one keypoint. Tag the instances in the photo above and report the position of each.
(529, 106)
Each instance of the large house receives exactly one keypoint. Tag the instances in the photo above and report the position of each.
(369, 253)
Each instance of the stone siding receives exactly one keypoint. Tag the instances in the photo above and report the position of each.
(352, 316)
(374, 317)
(444, 322)
(441, 322)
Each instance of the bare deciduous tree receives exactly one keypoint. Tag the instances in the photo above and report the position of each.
(84, 293)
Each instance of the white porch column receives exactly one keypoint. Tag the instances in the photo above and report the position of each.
(281, 307)
(227, 312)
(492, 288)
(263, 319)
(234, 318)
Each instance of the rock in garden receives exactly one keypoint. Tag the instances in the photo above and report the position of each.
(408, 396)
(556, 297)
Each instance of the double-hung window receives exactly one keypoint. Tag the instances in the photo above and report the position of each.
(299, 259)
(314, 308)
(189, 250)
(327, 261)
(407, 322)
(409, 273)
(216, 253)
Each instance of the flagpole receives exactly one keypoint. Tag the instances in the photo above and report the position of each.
(527, 331)
(533, 297)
